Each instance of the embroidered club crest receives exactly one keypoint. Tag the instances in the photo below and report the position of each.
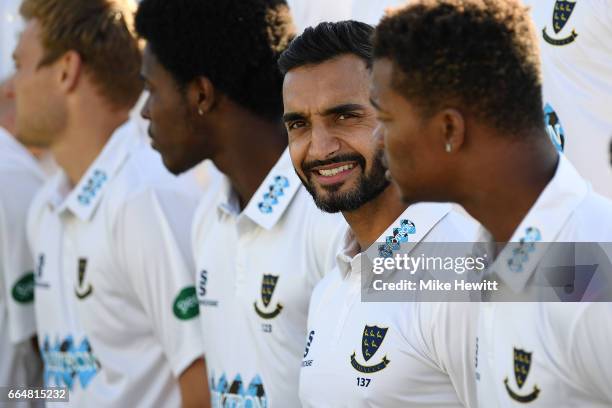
(268, 284)
(80, 291)
(522, 365)
(561, 15)
(371, 340)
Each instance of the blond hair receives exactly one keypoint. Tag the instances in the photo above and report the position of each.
(101, 32)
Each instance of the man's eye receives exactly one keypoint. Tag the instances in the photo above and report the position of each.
(345, 116)
(295, 125)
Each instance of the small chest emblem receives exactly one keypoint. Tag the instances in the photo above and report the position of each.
(371, 340)
(561, 15)
(522, 365)
(80, 290)
(268, 284)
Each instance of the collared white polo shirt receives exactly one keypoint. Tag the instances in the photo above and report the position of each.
(20, 178)
(256, 270)
(115, 300)
(577, 73)
(389, 354)
(548, 354)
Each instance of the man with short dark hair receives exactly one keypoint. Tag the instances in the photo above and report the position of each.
(457, 86)
(259, 242)
(358, 353)
(115, 304)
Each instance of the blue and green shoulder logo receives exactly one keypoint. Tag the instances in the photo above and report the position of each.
(561, 14)
(372, 339)
(186, 304)
(268, 284)
(23, 289)
(554, 128)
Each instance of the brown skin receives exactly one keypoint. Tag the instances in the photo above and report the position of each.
(198, 123)
(173, 128)
(7, 107)
(327, 114)
(487, 171)
(194, 386)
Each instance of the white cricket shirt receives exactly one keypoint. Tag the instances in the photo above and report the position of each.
(256, 270)
(389, 354)
(577, 69)
(548, 354)
(20, 178)
(115, 301)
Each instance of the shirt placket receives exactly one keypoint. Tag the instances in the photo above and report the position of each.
(243, 232)
(351, 286)
(68, 264)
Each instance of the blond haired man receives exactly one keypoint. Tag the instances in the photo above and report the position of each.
(115, 304)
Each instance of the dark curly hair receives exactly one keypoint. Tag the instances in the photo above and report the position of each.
(327, 41)
(234, 43)
(482, 54)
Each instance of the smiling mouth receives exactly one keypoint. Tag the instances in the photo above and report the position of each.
(334, 174)
(335, 171)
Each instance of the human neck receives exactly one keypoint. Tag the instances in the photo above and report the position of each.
(83, 140)
(253, 148)
(506, 184)
(370, 220)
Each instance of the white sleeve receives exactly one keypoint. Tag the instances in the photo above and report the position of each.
(589, 348)
(16, 262)
(153, 249)
(445, 334)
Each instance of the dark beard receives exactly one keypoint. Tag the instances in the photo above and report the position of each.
(369, 186)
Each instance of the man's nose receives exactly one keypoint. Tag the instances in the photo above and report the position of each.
(323, 143)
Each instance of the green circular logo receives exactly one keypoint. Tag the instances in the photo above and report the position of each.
(186, 304)
(23, 291)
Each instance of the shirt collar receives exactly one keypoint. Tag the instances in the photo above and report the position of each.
(517, 261)
(227, 201)
(10, 146)
(83, 200)
(412, 226)
(274, 195)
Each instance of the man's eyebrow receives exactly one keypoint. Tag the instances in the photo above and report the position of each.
(290, 116)
(339, 109)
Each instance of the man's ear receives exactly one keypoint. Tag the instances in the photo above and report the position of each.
(70, 66)
(202, 95)
(451, 124)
